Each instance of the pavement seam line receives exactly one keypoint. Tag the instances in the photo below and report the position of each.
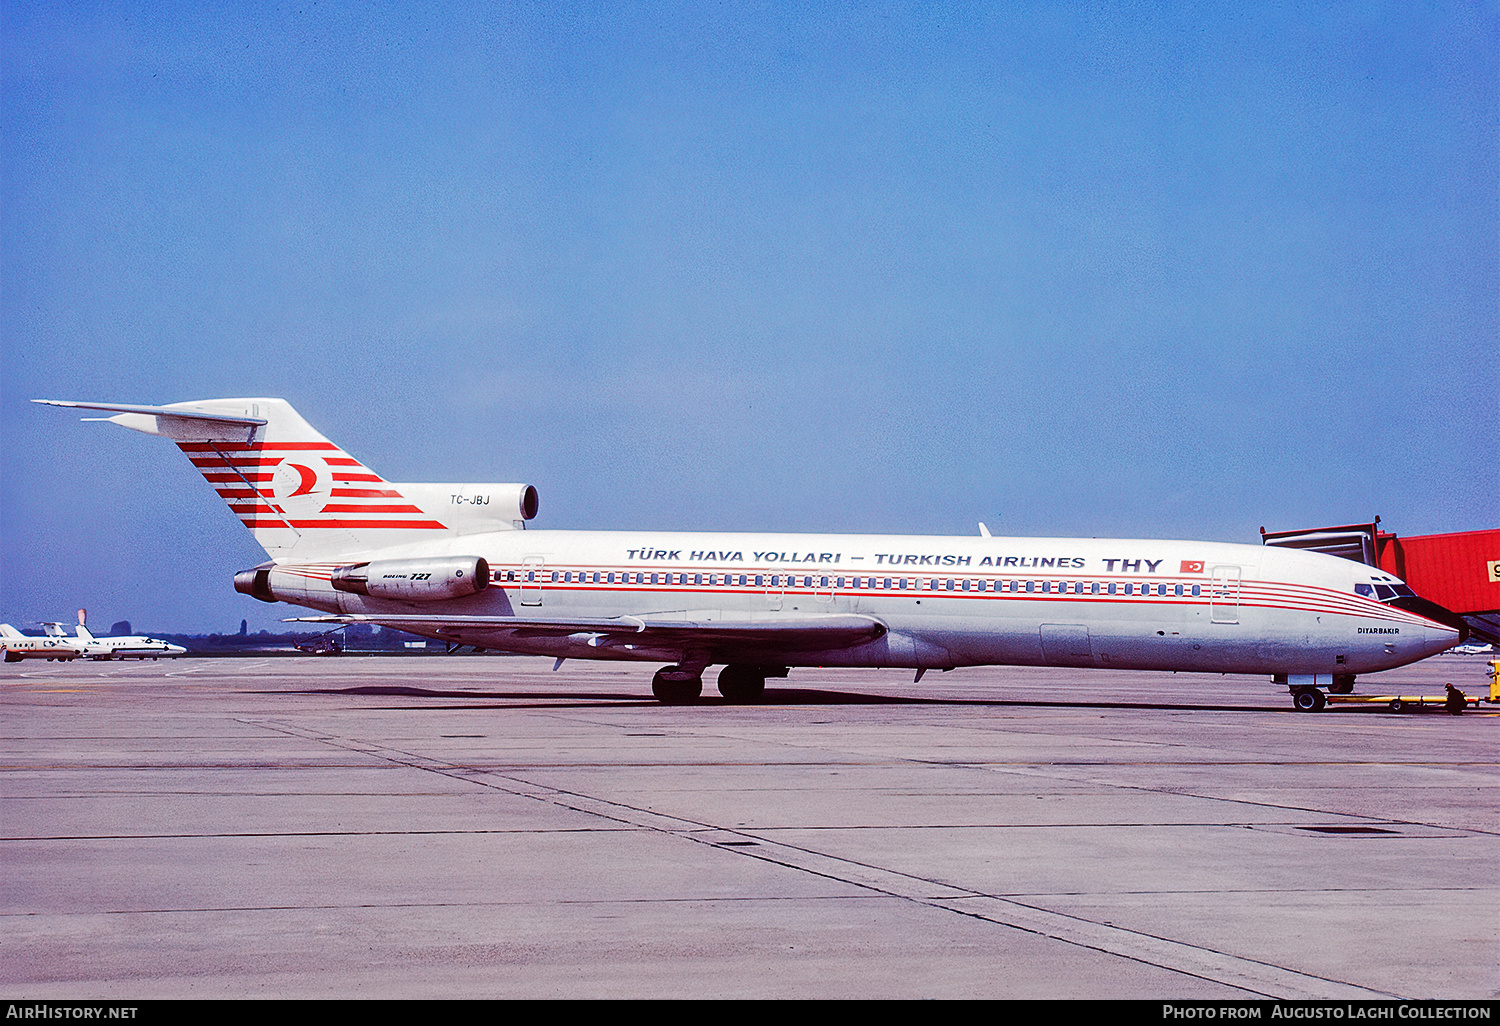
(1176, 956)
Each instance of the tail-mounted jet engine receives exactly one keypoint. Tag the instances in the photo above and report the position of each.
(408, 580)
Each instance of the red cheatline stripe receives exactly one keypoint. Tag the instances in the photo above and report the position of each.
(238, 477)
(253, 508)
(340, 461)
(244, 493)
(351, 508)
(402, 524)
(365, 493)
(358, 477)
(256, 446)
(310, 572)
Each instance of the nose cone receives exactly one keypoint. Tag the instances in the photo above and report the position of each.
(1439, 638)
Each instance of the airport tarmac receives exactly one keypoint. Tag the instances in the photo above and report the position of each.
(483, 827)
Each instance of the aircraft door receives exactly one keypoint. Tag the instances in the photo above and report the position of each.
(532, 569)
(1224, 595)
(1066, 644)
(775, 591)
(823, 589)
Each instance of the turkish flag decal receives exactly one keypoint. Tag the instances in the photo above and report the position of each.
(1191, 566)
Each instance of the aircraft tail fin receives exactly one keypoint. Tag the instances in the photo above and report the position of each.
(7, 631)
(301, 495)
(84, 633)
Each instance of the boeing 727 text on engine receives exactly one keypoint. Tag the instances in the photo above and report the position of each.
(454, 562)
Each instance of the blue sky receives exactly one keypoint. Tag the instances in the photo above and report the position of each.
(1073, 269)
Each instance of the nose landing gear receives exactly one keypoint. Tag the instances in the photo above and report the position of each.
(1308, 699)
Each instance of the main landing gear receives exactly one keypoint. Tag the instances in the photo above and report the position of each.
(740, 684)
(673, 685)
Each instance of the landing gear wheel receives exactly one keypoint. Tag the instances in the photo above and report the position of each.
(742, 685)
(1343, 684)
(675, 686)
(1308, 699)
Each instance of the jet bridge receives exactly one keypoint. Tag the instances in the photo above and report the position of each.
(1460, 572)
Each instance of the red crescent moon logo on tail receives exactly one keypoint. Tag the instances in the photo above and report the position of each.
(309, 478)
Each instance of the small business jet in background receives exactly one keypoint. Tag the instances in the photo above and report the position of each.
(53, 644)
(455, 562)
(136, 646)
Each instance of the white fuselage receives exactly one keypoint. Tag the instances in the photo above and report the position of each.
(25, 646)
(344, 540)
(136, 647)
(944, 601)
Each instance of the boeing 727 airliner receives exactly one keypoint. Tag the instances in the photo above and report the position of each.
(454, 562)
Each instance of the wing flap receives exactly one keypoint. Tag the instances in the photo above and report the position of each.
(792, 634)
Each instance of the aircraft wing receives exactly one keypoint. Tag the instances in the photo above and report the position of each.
(792, 634)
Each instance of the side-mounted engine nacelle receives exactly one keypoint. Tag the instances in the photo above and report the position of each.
(409, 580)
(415, 580)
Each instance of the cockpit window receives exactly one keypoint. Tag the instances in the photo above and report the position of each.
(1384, 592)
(1366, 590)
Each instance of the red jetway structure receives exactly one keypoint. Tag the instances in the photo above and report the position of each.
(1460, 572)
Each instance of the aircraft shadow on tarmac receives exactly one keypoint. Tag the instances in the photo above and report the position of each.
(773, 697)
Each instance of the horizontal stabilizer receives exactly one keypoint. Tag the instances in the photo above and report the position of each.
(175, 412)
